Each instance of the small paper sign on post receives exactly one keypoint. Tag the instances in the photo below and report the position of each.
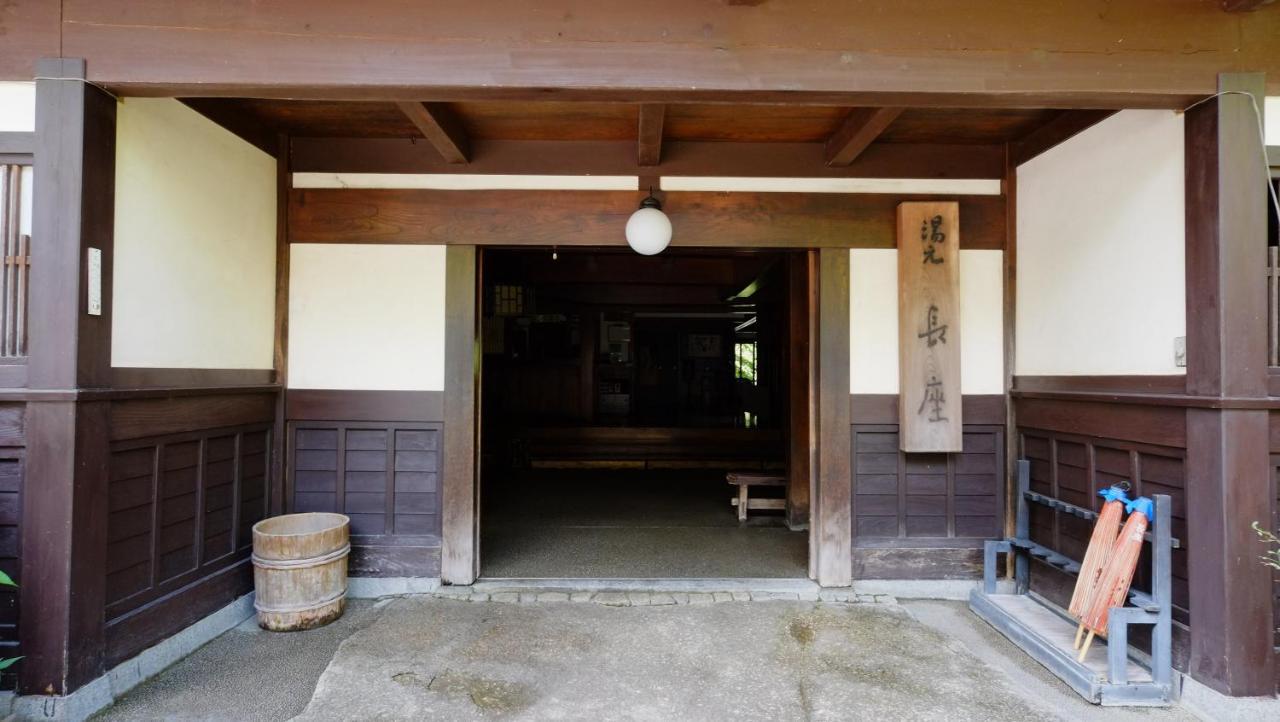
(929, 327)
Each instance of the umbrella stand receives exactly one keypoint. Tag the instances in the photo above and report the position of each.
(1046, 631)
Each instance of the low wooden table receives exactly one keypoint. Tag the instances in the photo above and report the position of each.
(744, 480)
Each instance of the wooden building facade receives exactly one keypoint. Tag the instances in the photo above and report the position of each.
(246, 255)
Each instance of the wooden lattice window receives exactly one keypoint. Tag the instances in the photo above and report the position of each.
(14, 281)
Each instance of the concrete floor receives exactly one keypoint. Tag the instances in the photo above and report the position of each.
(630, 525)
(433, 658)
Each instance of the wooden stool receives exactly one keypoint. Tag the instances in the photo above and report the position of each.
(744, 480)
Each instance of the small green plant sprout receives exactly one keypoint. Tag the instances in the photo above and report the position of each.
(7, 581)
(1272, 557)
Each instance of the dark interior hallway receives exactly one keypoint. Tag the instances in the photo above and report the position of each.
(626, 524)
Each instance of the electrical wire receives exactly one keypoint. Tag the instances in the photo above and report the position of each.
(1262, 140)
(86, 82)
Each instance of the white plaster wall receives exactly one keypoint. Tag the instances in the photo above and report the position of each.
(1101, 250)
(17, 106)
(873, 321)
(366, 317)
(1272, 116)
(195, 242)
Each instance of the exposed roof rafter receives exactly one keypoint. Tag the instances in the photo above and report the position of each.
(1063, 127)
(650, 136)
(859, 129)
(440, 127)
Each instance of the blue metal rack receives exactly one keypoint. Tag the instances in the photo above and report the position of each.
(1108, 675)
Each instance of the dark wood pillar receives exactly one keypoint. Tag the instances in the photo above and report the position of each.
(64, 534)
(1228, 474)
(831, 538)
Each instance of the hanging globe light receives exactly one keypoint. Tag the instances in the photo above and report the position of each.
(649, 229)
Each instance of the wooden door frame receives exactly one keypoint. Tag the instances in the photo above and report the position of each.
(830, 528)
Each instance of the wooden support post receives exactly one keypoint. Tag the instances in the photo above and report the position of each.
(801, 308)
(460, 560)
(1228, 468)
(1012, 450)
(64, 515)
(281, 496)
(832, 540)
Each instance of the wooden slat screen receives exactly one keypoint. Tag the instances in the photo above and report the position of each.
(16, 248)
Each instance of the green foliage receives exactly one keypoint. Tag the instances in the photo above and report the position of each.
(7, 581)
(1272, 557)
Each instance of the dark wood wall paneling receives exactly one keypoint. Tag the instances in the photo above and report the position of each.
(1082, 433)
(376, 457)
(12, 454)
(925, 516)
(187, 479)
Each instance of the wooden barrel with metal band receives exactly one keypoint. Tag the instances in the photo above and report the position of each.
(300, 570)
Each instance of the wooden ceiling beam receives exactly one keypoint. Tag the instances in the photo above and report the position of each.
(597, 218)
(549, 157)
(650, 135)
(1059, 129)
(440, 127)
(1243, 6)
(859, 130)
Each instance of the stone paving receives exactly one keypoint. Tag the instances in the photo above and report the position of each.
(500, 653)
(658, 599)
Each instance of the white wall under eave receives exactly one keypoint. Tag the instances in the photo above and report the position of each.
(17, 107)
(873, 321)
(366, 317)
(1101, 249)
(1272, 115)
(195, 242)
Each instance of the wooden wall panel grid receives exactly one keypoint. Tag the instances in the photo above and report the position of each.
(1074, 467)
(927, 499)
(11, 474)
(385, 476)
(181, 510)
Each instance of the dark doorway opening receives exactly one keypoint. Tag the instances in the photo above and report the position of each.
(617, 392)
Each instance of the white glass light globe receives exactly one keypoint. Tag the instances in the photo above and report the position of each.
(648, 231)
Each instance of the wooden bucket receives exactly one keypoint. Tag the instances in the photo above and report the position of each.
(300, 570)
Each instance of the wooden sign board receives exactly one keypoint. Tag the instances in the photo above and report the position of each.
(929, 327)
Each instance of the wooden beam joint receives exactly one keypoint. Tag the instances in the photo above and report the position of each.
(859, 130)
(441, 127)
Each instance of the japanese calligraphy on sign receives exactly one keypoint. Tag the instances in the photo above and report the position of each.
(929, 326)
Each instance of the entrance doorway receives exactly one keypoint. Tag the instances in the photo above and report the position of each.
(618, 391)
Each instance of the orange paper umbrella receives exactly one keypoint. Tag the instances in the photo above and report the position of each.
(1113, 585)
(1101, 545)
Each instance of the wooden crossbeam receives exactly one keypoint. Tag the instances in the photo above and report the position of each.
(650, 136)
(859, 129)
(1059, 129)
(440, 127)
